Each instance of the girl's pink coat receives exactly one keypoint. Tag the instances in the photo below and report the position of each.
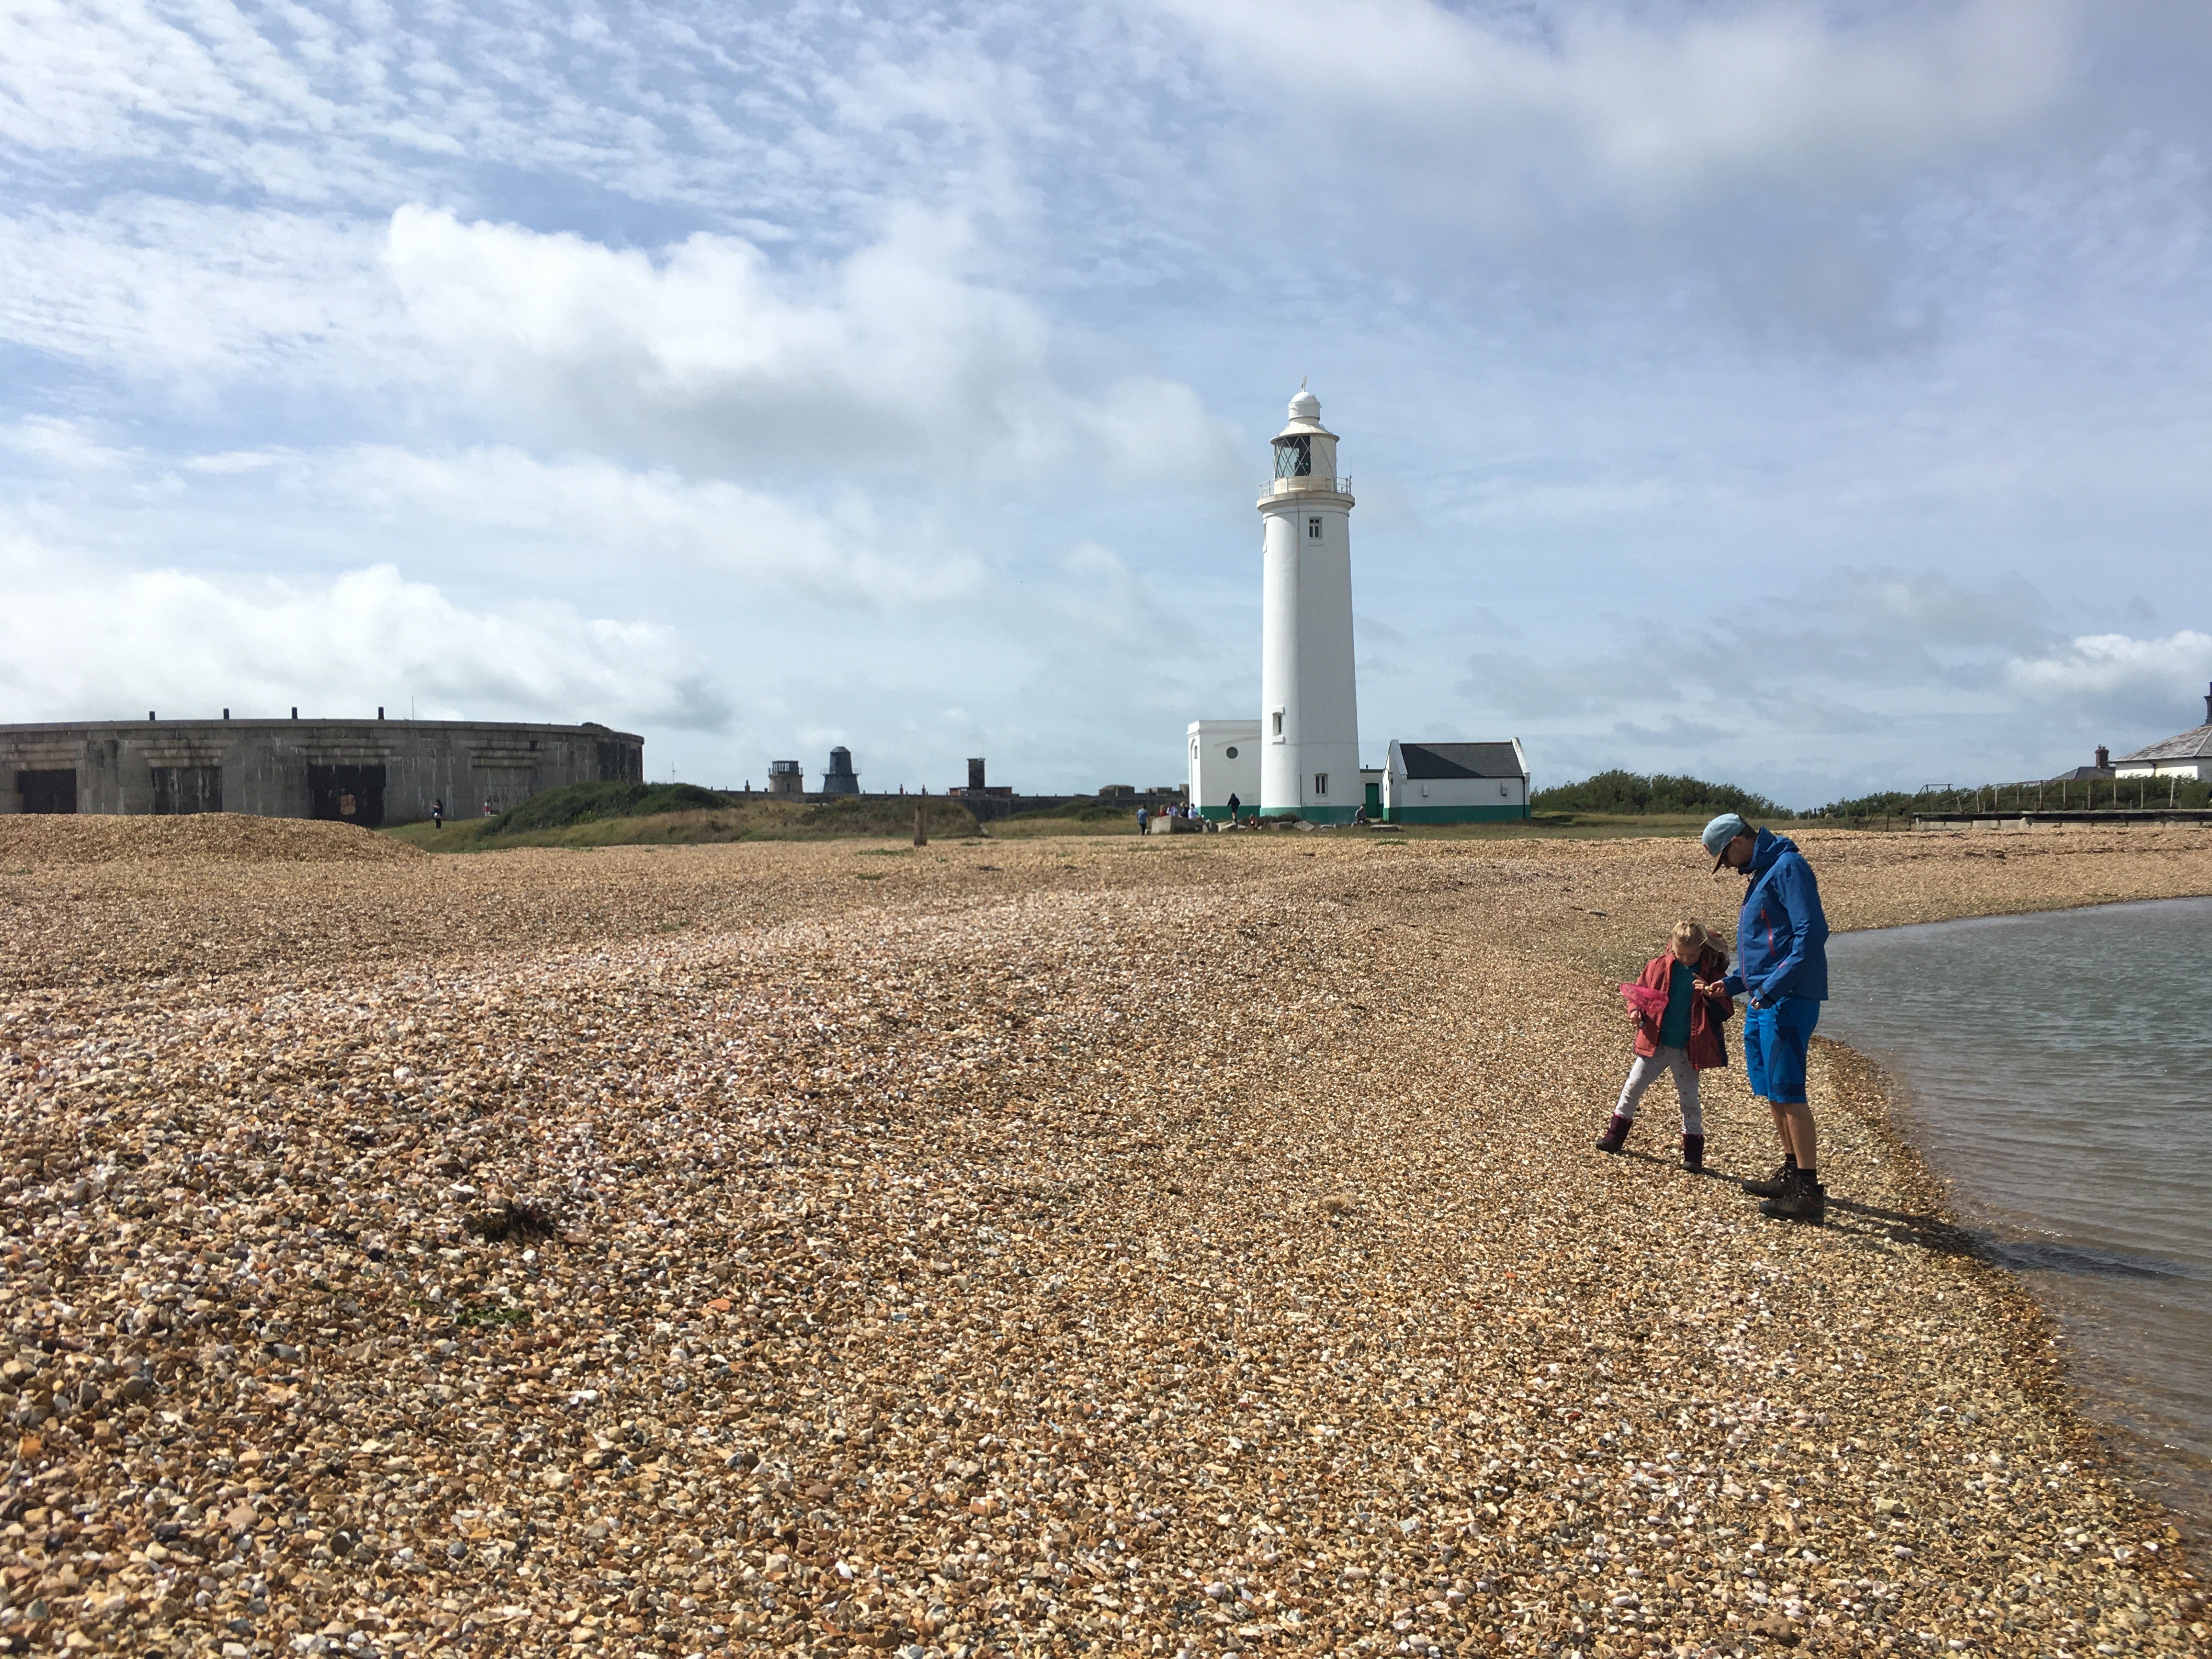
(1706, 1013)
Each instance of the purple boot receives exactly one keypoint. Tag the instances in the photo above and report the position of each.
(1615, 1133)
(1694, 1154)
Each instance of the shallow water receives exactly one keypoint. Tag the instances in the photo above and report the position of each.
(2057, 1074)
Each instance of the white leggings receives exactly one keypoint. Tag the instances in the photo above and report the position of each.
(1645, 1072)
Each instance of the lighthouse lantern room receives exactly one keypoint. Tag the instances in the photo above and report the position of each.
(1308, 712)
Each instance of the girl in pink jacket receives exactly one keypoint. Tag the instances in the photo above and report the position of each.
(1679, 1004)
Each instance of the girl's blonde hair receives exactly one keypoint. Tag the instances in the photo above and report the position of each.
(1691, 933)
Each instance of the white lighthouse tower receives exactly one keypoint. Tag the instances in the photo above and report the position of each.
(1309, 710)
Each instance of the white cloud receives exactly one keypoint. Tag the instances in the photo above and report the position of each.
(2115, 666)
(77, 640)
(145, 288)
(587, 513)
(65, 447)
(706, 351)
(1652, 111)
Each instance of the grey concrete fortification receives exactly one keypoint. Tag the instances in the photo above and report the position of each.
(364, 772)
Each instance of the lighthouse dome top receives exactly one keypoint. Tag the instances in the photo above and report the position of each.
(1305, 415)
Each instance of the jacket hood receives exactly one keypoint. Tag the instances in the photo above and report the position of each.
(1767, 848)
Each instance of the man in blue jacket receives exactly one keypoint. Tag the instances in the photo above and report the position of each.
(1782, 965)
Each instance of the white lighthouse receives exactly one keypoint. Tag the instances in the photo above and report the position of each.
(1309, 709)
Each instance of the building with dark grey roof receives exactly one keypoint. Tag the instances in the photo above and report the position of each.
(2188, 755)
(1454, 782)
(364, 772)
(2098, 773)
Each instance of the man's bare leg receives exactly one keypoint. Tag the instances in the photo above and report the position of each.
(1794, 1123)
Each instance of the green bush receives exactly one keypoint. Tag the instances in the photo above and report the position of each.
(1883, 804)
(894, 816)
(1089, 809)
(587, 803)
(1630, 794)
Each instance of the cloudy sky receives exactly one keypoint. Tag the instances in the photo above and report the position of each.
(1819, 398)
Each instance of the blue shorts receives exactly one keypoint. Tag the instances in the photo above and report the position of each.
(1774, 1040)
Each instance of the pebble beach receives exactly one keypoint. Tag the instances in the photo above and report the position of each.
(1161, 1246)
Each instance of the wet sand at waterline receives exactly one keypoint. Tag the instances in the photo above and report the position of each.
(1115, 1246)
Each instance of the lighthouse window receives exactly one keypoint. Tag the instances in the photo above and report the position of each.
(1294, 457)
(1313, 530)
(1321, 783)
(1278, 718)
(1232, 752)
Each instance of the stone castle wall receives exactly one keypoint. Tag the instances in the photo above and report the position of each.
(366, 772)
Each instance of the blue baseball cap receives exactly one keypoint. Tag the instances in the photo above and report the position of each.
(1720, 832)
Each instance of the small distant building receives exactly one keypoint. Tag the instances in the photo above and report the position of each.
(841, 779)
(1455, 782)
(977, 790)
(1225, 761)
(2098, 773)
(2189, 755)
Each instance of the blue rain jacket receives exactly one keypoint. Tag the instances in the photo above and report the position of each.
(1782, 937)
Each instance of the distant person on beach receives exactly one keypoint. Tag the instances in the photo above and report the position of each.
(1144, 819)
(438, 813)
(1781, 966)
(1678, 1032)
(1233, 805)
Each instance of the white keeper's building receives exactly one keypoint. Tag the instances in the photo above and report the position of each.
(1455, 782)
(1225, 761)
(2188, 755)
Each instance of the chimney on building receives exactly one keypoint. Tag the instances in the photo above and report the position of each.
(2103, 758)
(976, 770)
(2208, 705)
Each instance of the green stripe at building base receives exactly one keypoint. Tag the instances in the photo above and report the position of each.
(1454, 814)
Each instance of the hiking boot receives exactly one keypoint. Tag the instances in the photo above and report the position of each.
(1805, 1200)
(1615, 1133)
(1774, 1188)
(1694, 1154)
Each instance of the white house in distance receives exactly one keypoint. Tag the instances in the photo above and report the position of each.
(2189, 755)
(1225, 761)
(1455, 782)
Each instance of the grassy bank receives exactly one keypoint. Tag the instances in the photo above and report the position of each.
(736, 819)
(1122, 821)
(1579, 826)
(1543, 826)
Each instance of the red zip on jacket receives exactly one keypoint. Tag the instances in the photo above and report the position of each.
(1707, 1014)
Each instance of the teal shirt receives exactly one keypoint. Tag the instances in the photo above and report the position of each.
(1674, 1024)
